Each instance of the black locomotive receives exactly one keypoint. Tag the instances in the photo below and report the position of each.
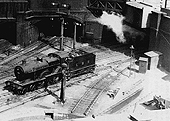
(46, 71)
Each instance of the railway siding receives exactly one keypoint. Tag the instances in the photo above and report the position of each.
(15, 55)
(11, 62)
(85, 104)
(11, 101)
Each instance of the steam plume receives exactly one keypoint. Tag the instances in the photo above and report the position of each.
(114, 22)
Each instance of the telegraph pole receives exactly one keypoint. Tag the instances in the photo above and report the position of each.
(62, 36)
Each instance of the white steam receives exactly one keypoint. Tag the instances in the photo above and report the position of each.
(114, 22)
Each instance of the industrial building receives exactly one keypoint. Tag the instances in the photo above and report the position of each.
(84, 60)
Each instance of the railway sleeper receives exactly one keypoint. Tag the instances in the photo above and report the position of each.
(80, 110)
(84, 103)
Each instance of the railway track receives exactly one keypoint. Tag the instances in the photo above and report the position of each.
(11, 65)
(28, 51)
(9, 73)
(9, 101)
(15, 55)
(85, 104)
(13, 62)
(115, 56)
(27, 54)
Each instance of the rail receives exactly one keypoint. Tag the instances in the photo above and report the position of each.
(87, 92)
(89, 98)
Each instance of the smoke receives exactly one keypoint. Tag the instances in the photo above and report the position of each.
(114, 22)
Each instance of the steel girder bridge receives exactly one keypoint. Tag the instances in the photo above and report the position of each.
(97, 6)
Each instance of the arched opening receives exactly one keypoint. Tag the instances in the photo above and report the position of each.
(51, 26)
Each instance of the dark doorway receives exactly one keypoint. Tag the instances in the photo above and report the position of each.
(52, 27)
(8, 31)
(49, 26)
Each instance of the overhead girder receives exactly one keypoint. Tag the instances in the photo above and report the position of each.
(97, 6)
(51, 14)
(62, 11)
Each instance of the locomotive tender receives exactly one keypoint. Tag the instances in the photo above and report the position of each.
(46, 71)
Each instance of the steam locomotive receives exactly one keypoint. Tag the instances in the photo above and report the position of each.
(45, 71)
